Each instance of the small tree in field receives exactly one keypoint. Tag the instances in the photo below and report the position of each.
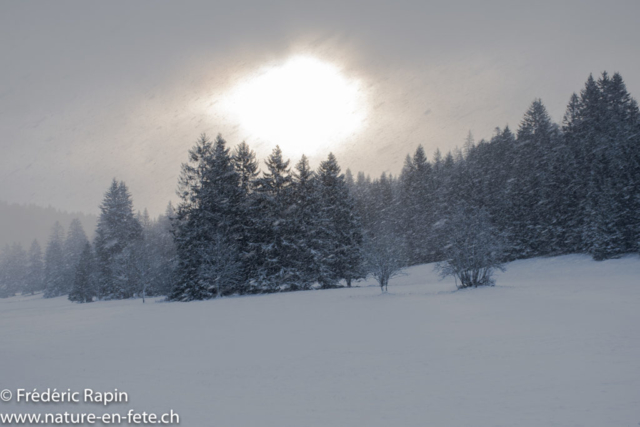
(473, 251)
(384, 258)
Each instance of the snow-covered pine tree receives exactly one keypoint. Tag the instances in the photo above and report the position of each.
(584, 137)
(305, 226)
(220, 268)
(54, 264)
(361, 195)
(567, 177)
(498, 170)
(13, 270)
(35, 269)
(341, 229)
(117, 235)
(73, 247)
(5, 287)
(157, 257)
(443, 200)
(623, 142)
(273, 241)
(601, 128)
(246, 165)
(210, 212)
(383, 247)
(530, 197)
(348, 179)
(144, 256)
(416, 198)
(84, 284)
(165, 258)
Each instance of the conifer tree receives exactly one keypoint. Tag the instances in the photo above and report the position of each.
(13, 270)
(305, 226)
(623, 139)
(601, 129)
(417, 201)
(145, 256)
(340, 226)
(117, 235)
(528, 193)
(207, 219)
(157, 258)
(35, 269)
(73, 247)
(84, 281)
(384, 252)
(54, 264)
(273, 241)
(246, 165)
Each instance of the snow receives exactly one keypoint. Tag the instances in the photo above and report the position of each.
(555, 343)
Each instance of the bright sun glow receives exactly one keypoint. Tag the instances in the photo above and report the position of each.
(302, 105)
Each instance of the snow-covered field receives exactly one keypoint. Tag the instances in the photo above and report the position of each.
(555, 343)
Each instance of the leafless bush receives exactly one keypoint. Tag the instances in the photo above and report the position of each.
(473, 250)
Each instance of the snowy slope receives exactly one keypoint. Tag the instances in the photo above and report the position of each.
(555, 343)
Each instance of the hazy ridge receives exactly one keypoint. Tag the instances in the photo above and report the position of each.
(23, 223)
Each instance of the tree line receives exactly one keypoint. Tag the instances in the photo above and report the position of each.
(548, 189)
(545, 189)
(131, 256)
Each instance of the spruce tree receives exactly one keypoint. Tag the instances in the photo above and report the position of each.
(208, 219)
(117, 235)
(165, 258)
(623, 140)
(529, 192)
(601, 129)
(246, 165)
(84, 280)
(73, 247)
(417, 201)
(341, 230)
(156, 254)
(13, 270)
(383, 249)
(305, 226)
(274, 243)
(35, 270)
(54, 264)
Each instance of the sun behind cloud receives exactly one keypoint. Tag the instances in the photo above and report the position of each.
(302, 105)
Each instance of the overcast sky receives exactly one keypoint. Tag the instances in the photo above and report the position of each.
(95, 90)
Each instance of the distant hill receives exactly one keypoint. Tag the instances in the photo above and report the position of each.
(23, 223)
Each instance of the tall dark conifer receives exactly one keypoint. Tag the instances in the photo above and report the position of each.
(207, 221)
(274, 243)
(246, 165)
(305, 225)
(117, 235)
(340, 226)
